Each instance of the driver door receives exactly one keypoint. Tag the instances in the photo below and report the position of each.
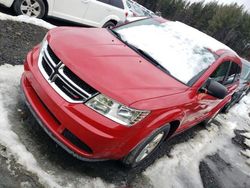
(227, 73)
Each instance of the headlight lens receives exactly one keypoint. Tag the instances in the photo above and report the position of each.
(116, 111)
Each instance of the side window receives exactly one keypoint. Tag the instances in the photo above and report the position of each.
(104, 1)
(117, 3)
(220, 73)
(233, 74)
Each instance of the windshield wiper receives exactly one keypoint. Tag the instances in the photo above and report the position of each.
(117, 35)
(148, 57)
(140, 51)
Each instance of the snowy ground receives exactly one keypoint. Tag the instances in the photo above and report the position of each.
(214, 156)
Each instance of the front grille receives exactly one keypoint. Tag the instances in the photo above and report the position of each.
(62, 79)
(55, 59)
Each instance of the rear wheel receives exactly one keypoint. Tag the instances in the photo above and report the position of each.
(31, 8)
(144, 151)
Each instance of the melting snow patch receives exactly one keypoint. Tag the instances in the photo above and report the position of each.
(247, 135)
(9, 79)
(246, 153)
(9, 84)
(27, 19)
(182, 169)
(247, 142)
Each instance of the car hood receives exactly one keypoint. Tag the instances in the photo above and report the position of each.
(109, 66)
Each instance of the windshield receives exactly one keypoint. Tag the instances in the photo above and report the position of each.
(184, 51)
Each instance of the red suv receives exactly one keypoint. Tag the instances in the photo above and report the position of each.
(120, 93)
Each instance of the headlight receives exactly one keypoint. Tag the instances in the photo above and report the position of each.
(116, 111)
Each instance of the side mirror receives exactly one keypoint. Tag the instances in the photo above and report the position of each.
(216, 89)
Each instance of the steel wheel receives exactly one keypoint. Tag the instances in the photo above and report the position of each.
(146, 151)
(150, 147)
(30, 8)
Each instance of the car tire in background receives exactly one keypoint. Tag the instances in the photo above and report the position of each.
(109, 24)
(32, 8)
(143, 154)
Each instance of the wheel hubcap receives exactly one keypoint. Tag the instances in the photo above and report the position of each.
(150, 147)
(30, 8)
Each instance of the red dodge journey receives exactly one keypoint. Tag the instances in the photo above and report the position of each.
(121, 93)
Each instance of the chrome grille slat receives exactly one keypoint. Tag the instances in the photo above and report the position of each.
(49, 58)
(61, 83)
(79, 93)
(51, 67)
(66, 96)
(71, 82)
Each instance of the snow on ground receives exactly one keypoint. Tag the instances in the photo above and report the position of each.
(9, 84)
(182, 168)
(9, 79)
(27, 19)
(247, 135)
(247, 143)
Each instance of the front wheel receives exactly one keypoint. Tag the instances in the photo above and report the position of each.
(145, 150)
(31, 8)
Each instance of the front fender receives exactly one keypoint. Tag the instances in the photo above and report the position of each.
(145, 130)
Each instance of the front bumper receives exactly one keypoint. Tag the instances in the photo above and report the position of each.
(52, 136)
(100, 138)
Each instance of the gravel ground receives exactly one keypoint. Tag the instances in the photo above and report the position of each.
(16, 39)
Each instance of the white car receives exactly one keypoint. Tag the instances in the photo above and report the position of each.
(137, 11)
(96, 13)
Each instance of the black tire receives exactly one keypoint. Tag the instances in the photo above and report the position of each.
(131, 159)
(109, 24)
(38, 11)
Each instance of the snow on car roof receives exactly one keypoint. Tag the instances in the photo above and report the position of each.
(181, 49)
